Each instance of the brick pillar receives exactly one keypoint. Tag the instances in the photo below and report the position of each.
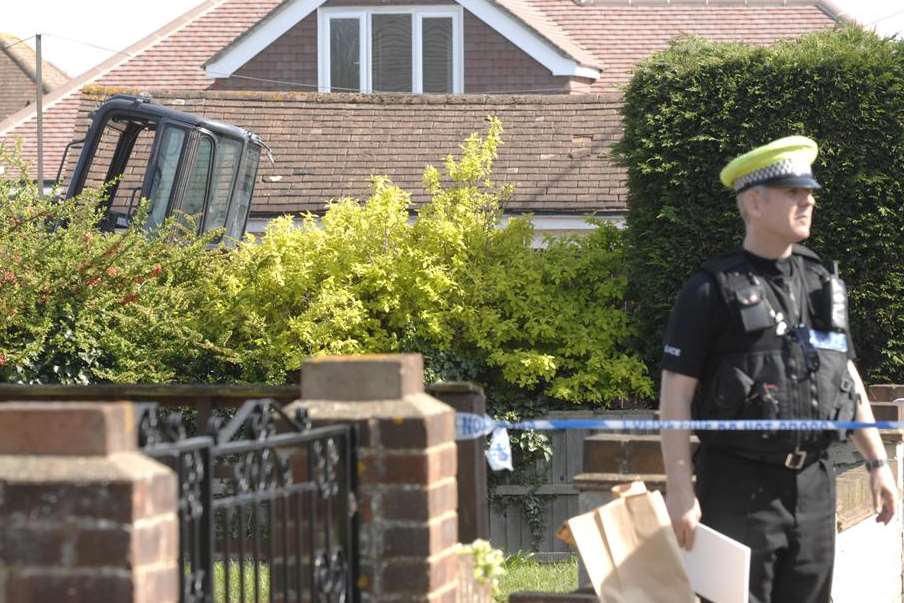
(406, 471)
(473, 499)
(85, 516)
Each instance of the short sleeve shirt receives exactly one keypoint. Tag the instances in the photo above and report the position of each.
(700, 314)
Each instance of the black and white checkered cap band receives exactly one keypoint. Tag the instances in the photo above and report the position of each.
(785, 167)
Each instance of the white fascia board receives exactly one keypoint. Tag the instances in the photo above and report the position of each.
(565, 222)
(249, 47)
(528, 40)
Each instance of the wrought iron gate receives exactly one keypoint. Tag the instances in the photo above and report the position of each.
(267, 506)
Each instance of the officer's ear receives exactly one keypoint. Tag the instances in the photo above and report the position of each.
(745, 201)
(754, 200)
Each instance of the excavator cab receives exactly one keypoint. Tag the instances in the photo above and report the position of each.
(183, 164)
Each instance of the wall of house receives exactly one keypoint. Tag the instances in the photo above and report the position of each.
(290, 63)
(493, 65)
(17, 90)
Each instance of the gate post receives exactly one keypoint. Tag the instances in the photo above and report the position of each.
(407, 490)
(85, 516)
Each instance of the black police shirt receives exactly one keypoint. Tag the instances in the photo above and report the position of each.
(700, 313)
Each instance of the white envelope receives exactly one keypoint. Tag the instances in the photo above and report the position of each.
(718, 567)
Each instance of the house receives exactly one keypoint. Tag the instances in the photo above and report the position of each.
(342, 89)
(18, 74)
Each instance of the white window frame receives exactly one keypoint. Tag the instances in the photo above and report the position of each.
(365, 20)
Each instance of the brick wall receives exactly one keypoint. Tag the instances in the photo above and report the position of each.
(85, 516)
(407, 490)
(492, 64)
(290, 62)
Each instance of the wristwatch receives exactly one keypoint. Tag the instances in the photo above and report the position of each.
(871, 464)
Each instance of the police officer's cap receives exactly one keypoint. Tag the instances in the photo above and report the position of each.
(784, 162)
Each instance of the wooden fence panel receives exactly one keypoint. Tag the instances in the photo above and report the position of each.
(509, 529)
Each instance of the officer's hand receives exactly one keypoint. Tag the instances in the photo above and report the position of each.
(882, 484)
(684, 511)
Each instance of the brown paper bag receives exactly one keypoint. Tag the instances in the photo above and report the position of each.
(630, 550)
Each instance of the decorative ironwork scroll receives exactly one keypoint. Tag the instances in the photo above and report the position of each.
(266, 502)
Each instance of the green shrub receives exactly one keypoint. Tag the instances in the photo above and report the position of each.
(691, 108)
(536, 327)
(79, 306)
(476, 299)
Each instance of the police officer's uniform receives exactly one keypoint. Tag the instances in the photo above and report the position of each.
(768, 339)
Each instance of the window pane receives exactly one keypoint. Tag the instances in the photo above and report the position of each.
(196, 190)
(124, 194)
(223, 173)
(437, 53)
(165, 174)
(345, 54)
(391, 53)
(238, 213)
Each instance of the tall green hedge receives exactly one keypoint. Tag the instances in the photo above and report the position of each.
(693, 107)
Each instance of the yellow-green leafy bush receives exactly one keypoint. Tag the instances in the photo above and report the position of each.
(536, 327)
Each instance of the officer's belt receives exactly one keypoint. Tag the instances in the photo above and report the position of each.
(796, 459)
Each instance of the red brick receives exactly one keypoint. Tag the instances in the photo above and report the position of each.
(49, 428)
(155, 541)
(885, 392)
(104, 547)
(888, 411)
(359, 378)
(420, 503)
(418, 432)
(46, 587)
(421, 468)
(420, 576)
(39, 501)
(157, 586)
(644, 456)
(23, 545)
(422, 540)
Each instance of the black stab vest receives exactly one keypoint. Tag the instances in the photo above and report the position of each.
(759, 370)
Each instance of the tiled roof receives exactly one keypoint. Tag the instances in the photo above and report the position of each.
(18, 74)
(529, 12)
(25, 56)
(621, 35)
(615, 33)
(555, 151)
(177, 60)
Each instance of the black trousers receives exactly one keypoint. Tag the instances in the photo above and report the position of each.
(786, 517)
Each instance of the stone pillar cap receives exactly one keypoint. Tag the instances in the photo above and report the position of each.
(361, 378)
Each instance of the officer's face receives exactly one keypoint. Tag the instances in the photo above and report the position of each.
(785, 212)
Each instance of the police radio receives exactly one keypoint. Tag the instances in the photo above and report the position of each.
(834, 304)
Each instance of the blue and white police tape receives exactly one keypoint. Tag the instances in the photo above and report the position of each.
(470, 426)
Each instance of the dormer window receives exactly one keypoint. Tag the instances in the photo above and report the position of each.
(390, 49)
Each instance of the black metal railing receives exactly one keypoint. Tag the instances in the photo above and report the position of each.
(267, 507)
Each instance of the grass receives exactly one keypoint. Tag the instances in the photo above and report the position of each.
(219, 582)
(525, 573)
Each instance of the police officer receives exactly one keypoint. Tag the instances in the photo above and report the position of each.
(762, 333)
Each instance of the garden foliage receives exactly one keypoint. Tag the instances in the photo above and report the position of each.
(80, 306)
(692, 108)
(536, 327)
